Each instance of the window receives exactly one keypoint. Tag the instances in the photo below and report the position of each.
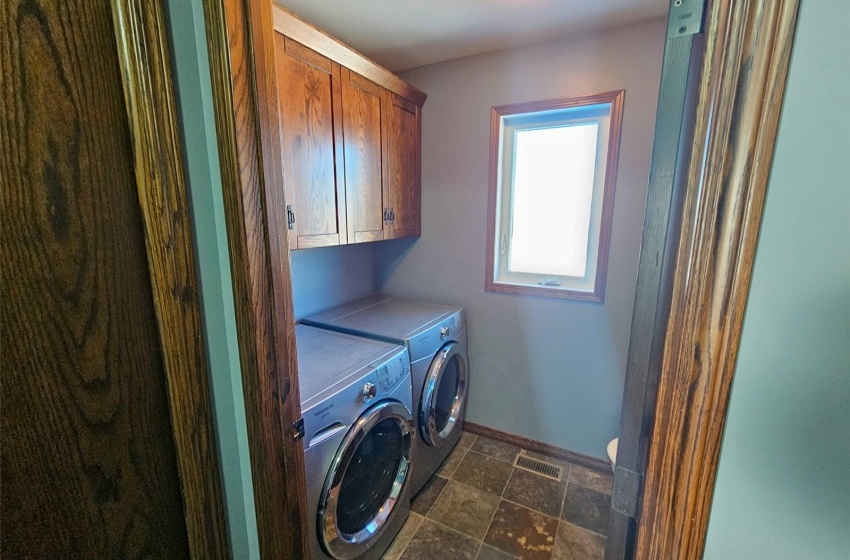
(553, 165)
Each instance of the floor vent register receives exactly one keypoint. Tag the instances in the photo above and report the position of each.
(537, 466)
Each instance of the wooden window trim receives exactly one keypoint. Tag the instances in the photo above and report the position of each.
(616, 99)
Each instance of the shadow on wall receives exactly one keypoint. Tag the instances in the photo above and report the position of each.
(329, 276)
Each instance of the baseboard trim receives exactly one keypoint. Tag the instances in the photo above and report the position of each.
(539, 447)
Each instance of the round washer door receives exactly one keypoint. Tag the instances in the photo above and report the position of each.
(443, 395)
(365, 480)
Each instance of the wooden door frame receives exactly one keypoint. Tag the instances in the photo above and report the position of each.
(690, 304)
(722, 157)
(143, 53)
(240, 40)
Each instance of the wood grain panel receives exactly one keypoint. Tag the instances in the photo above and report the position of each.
(748, 48)
(241, 44)
(307, 86)
(402, 166)
(291, 26)
(88, 461)
(362, 115)
(140, 31)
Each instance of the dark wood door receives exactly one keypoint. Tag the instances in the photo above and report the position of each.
(402, 155)
(88, 459)
(362, 110)
(310, 98)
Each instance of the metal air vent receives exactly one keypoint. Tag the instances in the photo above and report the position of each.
(537, 466)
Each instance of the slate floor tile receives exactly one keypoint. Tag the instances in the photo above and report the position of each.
(464, 509)
(601, 482)
(433, 541)
(404, 537)
(484, 473)
(449, 466)
(466, 440)
(426, 497)
(496, 449)
(587, 508)
(575, 543)
(487, 552)
(536, 492)
(522, 532)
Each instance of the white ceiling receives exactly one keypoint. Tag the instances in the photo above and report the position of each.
(401, 34)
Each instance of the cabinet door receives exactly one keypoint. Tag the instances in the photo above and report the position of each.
(310, 97)
(402, 168)
(362, 118)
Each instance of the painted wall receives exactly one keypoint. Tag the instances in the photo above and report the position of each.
(548, 369)
(186, 21)
(783, 485)
(330, 276)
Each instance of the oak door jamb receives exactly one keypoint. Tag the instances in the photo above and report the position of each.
(740, 93)
(240, 39)
(143, 53)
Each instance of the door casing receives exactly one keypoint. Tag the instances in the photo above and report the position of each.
(718, 156)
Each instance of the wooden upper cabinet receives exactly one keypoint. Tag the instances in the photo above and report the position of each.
(362, 120)
(309, 94)
(402, 166)
(351, 141)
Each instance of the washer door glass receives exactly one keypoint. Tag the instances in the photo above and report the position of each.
(366, 480)
(443, 395)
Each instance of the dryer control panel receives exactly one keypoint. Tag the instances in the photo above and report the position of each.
(392, 372)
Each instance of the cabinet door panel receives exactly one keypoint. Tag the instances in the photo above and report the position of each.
(362, 111)
(311, 136)
(402, 166)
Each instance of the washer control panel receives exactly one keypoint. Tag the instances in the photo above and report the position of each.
(392, 372)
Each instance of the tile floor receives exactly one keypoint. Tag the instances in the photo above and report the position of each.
(479, 507)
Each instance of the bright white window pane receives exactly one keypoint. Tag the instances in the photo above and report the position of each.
(552, 195)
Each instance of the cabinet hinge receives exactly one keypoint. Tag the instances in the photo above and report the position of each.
(298, 429)
(290, 217)
(626, 494)
(685, 18)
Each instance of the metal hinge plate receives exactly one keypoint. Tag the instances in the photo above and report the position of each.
(298, 429)
(685, 18)
(290, 217)
(626, 492)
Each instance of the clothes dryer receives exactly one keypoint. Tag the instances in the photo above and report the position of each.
(435, 337)
(358, 434)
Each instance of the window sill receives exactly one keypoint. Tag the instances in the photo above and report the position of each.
(597, 295)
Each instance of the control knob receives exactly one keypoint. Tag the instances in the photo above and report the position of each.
(368, 392)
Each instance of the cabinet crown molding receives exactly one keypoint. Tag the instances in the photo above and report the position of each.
(310, 36)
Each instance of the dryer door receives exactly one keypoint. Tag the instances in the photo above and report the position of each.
(365, 480)
(443, 395)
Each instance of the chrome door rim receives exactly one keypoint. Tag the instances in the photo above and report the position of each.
(346, 546)
(428, 410)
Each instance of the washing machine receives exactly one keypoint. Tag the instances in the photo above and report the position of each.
(356, 402)
(435, 338)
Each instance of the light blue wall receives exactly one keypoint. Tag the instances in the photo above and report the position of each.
(783, 485)
(186, 21)
(552, 370)
(330, 276)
